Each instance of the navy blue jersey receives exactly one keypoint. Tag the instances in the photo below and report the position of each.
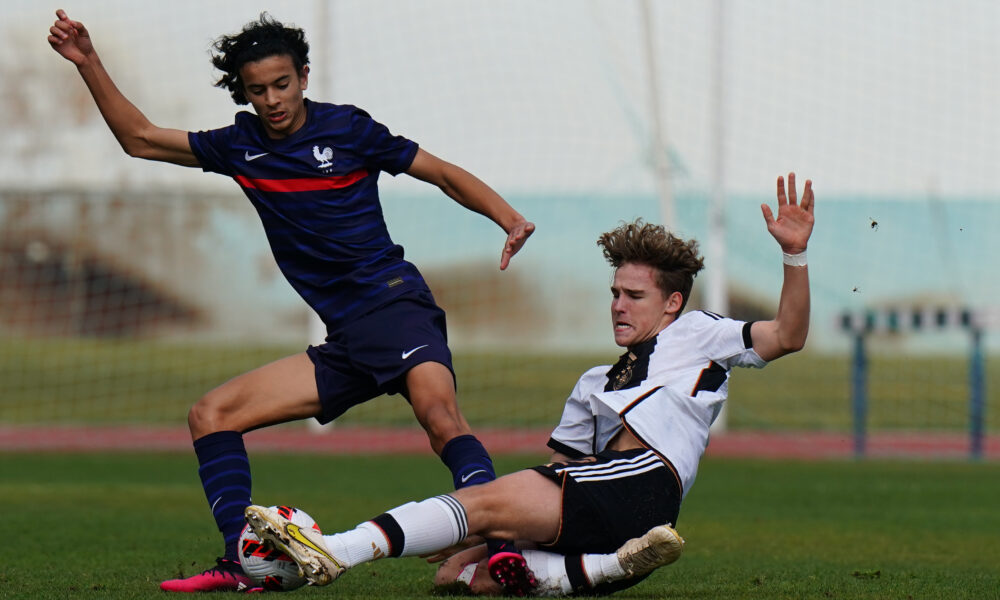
(316, 192)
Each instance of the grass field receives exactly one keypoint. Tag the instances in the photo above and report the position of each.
(112, 526)
(128, 381)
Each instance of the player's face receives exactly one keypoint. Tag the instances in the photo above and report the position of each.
(639, 309)
(274, 88)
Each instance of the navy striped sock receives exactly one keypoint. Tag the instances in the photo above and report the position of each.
(468, 460)
(225, 474)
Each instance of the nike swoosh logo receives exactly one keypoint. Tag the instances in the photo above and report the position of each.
(248, 157)
(294, 532)
(406, 355)
(469, 476)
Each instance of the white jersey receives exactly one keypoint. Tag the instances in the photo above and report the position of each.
(666, 391)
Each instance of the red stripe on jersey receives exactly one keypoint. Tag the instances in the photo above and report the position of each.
(309, 184)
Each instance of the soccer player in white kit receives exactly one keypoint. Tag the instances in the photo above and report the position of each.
(627, 448)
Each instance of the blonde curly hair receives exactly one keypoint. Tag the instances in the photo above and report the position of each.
(676, 261)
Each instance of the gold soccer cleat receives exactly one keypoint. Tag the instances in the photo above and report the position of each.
(303, 545)
(660, 546)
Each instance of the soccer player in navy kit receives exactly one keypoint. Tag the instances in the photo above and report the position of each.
(627, 447)
(311, 171)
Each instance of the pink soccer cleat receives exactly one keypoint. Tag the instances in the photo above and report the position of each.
(510, 570)
(225, 576)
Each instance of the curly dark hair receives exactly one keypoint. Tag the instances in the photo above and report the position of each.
(259, 39)
(676, 261)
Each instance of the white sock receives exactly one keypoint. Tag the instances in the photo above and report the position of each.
(364, 543)
(409, 530)
(550, 571)
(602, 568)
(434, 524)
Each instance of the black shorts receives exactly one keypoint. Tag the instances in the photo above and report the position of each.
(611, 498)
(370, 356)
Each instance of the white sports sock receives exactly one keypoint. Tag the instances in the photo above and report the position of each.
(428, 526)
(550, 571)
(434, 524)
(364, 543)
(602, 568)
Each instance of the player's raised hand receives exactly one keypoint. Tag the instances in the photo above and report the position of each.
(794, 223)
(515, 239)
(70, 39)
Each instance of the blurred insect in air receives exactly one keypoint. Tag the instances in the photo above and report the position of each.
(874, 224)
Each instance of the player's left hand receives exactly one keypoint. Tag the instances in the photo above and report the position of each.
(515, 239)
(795, 219)
(446, 553)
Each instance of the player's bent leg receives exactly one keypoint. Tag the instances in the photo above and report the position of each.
(523, 505)
(430, 388)
(303, 545)
(280, 391)
(565, 575)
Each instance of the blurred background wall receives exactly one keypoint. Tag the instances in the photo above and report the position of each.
(128, 288)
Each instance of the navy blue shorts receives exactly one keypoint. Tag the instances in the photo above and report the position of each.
(371, 355)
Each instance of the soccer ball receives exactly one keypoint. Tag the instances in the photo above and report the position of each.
(268, 567)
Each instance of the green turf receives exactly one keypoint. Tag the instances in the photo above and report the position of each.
(107, 526)
(134, 381)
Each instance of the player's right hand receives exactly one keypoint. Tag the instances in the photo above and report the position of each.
(70, 39)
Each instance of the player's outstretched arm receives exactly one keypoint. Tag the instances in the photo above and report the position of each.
(469, 191)
(137, 136)
(791, 229)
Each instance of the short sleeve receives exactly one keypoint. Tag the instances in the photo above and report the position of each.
(727, 342)
(211, 148)
(378, 146)
(575, 434)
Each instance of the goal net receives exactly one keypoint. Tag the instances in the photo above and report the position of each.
(128, 289)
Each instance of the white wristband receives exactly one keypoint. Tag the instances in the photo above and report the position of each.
(794, 260)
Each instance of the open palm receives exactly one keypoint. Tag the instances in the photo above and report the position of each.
(794, 223)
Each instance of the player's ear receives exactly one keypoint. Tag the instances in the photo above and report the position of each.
(674, 303)
(304, 78)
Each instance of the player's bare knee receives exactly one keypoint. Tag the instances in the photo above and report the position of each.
(206, 415)
(198, 417)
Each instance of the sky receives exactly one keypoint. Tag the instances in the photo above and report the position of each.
(887, 97)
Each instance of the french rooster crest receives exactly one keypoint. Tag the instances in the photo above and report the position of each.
(324, 157)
